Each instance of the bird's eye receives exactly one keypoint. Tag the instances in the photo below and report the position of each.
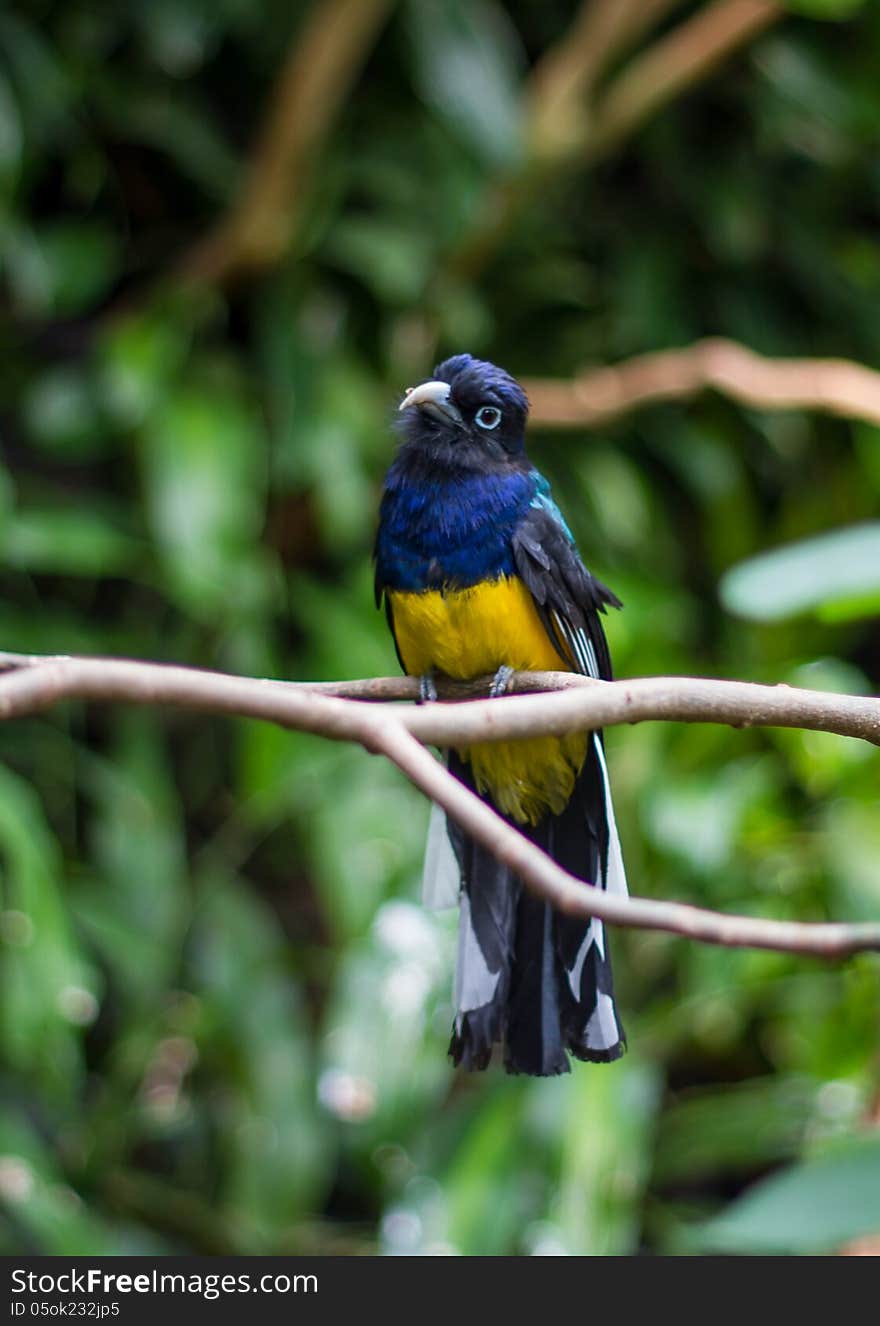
(488, 417)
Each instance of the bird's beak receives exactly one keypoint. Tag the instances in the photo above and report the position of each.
(433, 398)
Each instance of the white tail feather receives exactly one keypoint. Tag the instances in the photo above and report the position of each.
(615, 874)
(441, 876)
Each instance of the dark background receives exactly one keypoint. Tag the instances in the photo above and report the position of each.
(225, 1015)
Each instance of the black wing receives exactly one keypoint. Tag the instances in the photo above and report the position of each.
(567, 597)
(583, 839)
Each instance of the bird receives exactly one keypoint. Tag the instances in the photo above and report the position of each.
(480, 575)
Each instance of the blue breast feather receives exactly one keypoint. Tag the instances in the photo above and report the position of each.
(454, 531)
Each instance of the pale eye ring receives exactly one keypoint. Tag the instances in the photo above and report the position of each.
(488, 417)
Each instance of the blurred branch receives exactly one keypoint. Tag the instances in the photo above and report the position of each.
(675, 63)
(32, 686)
(338, 35)
(597, 395)
(564, 77)
(320, 68)
(567, 125)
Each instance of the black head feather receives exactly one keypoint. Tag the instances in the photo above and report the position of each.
(485, 426)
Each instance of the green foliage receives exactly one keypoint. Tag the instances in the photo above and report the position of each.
(466, 67)
(829, 9)
(810, 1208)
(224, 1014)
(837, 573)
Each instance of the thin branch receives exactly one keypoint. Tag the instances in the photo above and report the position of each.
(317, 75)
(567, 894)
(367, 688)
(34, 686)
(676, 62)
(565, 126)
(669, 699)
(560, 85)
(599, 395)
(330, 49)
(556, 100)
(329, 709)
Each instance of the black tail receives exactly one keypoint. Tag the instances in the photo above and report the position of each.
(530, 978)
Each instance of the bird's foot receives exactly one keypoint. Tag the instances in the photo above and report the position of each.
(427, 688)
(501, 681)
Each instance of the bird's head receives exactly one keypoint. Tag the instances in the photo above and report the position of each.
(470, 415)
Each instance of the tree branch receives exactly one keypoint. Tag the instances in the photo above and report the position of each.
(565, 125)
(676, 62)
(336, 38)
(563, 79)
(599, 395)
(567, 894)
(31, 685)
(549, 703)
(317, 75)
(556, 98)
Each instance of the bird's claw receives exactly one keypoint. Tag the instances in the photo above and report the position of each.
(501, 681)
(427, 688)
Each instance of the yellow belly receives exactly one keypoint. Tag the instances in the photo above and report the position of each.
(469, 633)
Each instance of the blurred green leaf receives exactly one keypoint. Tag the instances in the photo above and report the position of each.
(734, 1128)
(204, 462)
(80, 260)
(848, 838)
(605, 1159)
(49, 990)
(71, 542)
(179, 39)
(814, 1207)
(170, 125)
(365, 839)
(483, 1180)
(136, 909)
(392, 260)
(387, 1028)
(63, 415)
(276, 1158)
(10, 132)
(822, 760)
(829, 9)
(40, 76)
(138, 362)
(350, 616)
(697, 818)
(467, 66)
(38, 1200)
(805, 576)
